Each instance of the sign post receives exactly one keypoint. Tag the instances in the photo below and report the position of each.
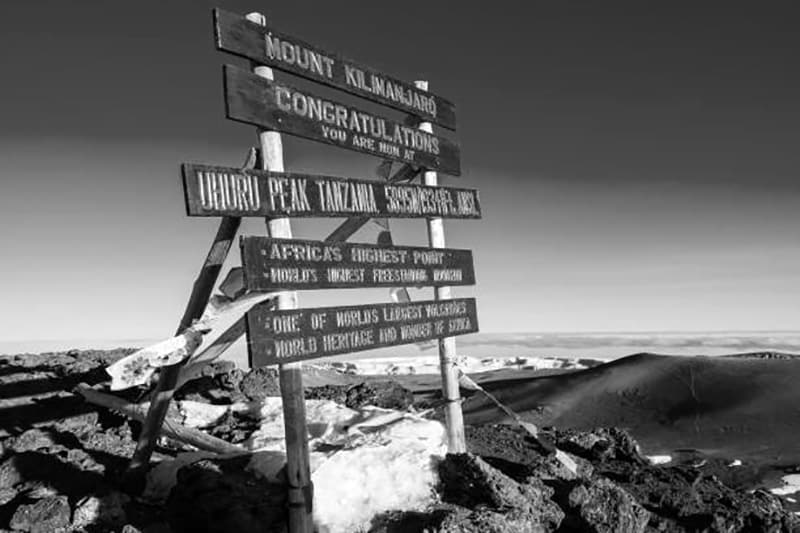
(298, 470)
(454, 418)
(286, 335)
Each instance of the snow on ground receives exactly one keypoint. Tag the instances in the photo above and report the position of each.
(430, 364)
(791, 485)
(659, 459)
(364, 461)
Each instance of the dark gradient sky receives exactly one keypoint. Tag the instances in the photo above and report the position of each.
(637, 161)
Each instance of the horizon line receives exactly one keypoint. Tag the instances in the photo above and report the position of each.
(556, 332)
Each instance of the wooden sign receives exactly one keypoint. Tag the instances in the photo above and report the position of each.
(278, 106)
(262, 44)
(276, 337)
(295, 264)
(220, 191)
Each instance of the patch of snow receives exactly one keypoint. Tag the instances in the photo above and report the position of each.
(373, 460)
(430, 364)
(385, 460)
(393, 470)
(659, 459)
(735, 462)
(791, 484)
(324, 418)
(200, 414)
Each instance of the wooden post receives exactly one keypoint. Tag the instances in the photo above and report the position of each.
(454, 419)
(134, 478)
(171, 429)
(135, 475)
(298, 471)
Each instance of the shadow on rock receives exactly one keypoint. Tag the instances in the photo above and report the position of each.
(221, 496)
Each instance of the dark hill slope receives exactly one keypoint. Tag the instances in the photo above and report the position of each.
(746, 406)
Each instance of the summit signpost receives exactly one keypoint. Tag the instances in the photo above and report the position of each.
(278, 331)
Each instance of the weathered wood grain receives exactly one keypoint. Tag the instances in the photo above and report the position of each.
(223, 191)
(277, 264)
(134, 477)
(279, 106)
(267, 46)
(303, 334)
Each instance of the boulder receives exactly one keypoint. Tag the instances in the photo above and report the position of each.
(107, 510)
(469, 482)
(48, 515)
(600, 445)
(453, 519)
(260, 383)
(32, 440)
(599, 506)
(385, 394)
(219, 382)
(486, 521)
(10, 474)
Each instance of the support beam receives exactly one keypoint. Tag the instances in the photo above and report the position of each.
(454, 419)
(298, 471)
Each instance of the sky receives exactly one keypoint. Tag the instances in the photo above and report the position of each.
(637, 161)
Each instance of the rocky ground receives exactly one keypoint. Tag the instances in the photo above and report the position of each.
(61, 462)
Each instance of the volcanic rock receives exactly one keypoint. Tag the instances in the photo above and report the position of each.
(260, 383)
(385, 394)
(469, 482)
(48, 515)
(10, 474)
(108, 510)
(515, 452)
(600, 445)
(600, 506)
(219, 383)
(30, 440)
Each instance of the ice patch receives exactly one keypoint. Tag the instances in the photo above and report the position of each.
(791, 484)
(735, 462)
(659, 459)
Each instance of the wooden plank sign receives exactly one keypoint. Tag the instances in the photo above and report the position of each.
(276, 337)
(221, 191)
(281, 107)
(276, 264)
(266, 46)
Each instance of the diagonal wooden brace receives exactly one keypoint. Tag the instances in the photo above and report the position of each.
(162, 395)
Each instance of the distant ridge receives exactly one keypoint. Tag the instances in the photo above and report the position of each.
(743, 355)
(764, 355)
